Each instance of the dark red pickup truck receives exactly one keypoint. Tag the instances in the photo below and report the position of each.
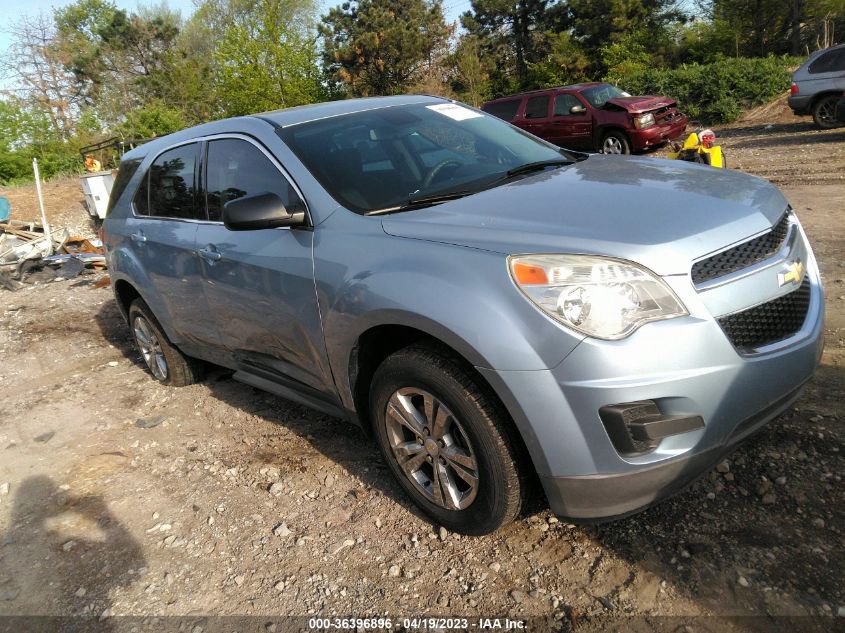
(593, 116)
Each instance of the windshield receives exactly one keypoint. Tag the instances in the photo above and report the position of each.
(599, 95)
(387, 157)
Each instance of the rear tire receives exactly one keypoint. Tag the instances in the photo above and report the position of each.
(824, 112)
(439, 430)
(615, 142)
(164, 361)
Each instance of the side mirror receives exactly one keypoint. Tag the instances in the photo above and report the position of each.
(577, 109)
(259, 211)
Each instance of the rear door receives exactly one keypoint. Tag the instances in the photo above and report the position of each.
(535, 116)
(162, 230)
(260, 284)
(569, 129)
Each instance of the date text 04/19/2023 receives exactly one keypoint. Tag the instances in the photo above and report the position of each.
(418, 623)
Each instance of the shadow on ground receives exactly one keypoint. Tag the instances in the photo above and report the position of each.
(62, 553)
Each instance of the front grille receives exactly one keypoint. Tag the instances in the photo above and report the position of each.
(743, 255)
(769, 322)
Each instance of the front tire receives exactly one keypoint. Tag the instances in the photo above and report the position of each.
(824, 112)
(615, 142)
(448, 441)
(164, 361)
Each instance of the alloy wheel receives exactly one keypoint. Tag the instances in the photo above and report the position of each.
(827, 112)
(611, 145)
(150, 347)
(432, 448)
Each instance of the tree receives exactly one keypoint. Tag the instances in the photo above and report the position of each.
(117, 58)
(267, 58)
(512, 34)
(762, 27)
(565, 62)
(598, 23)
(382, 47)
(34, 65)
(472, 77)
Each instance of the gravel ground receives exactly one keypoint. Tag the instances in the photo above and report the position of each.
(122, 497)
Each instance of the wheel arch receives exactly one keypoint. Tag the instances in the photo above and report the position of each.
(821, 95)
(375, 344)
(125, 293)
(602, 131)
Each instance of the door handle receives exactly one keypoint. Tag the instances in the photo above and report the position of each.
(138, 237)
(210, 255)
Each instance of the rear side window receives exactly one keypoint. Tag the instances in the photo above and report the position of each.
(537, 107)
(125, 172)
(505, 110)
(171, 184)
(829, 62)
(564, 103)
(236, 168)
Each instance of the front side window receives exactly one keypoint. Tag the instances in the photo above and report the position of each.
(564, 103)
(236, 168)
(374, 160)
(537, 107)
(171, 184)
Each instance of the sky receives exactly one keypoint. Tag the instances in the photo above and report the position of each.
(12, 10)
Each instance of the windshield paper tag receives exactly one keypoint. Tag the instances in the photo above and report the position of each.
(454, 111)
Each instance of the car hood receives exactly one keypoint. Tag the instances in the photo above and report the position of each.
(662, 214)
(636, 105)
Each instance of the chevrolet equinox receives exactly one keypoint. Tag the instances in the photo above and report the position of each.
(493, 310)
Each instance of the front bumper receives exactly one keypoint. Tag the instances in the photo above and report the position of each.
(687, 366)
(614, 496)
(658, 134)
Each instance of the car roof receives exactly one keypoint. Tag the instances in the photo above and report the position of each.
(581, 86)
(279, 119)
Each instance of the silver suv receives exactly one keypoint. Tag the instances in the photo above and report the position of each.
(493, 310)
(817, 86)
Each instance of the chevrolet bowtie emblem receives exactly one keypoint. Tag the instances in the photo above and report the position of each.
(794, 273)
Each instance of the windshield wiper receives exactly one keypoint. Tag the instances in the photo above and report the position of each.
(539, 165)
(423, 201)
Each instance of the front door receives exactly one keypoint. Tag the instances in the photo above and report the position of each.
(260, 284)
(567, 128)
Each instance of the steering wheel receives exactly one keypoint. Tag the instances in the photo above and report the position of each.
(429, 177)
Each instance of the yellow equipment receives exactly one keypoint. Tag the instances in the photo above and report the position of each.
(699, 148)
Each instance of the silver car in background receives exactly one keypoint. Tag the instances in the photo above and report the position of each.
(817, 86)
(494, 311)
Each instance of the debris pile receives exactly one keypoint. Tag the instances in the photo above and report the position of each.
(29, 255)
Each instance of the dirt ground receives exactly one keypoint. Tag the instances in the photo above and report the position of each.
(128, 498)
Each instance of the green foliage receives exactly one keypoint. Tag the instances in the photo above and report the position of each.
(382, 47)
(471, 80)
(565, 63)
(267, 60)
(155, 119)
(599, 23)
(625, 58)
(512, 37)
(25, 133)
(715, 92)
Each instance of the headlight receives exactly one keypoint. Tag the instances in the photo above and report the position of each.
(602, 297)
(644, 120)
